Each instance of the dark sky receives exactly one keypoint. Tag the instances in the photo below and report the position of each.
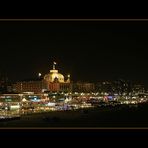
(89, 50)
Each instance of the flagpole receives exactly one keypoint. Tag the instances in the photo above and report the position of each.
(54, 63)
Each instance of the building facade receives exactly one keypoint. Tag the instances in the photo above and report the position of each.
(83, 87)
(36, 86)
(52, 82)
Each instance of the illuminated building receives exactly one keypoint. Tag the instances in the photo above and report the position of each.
(52, 82)
(138, 89)
(54, 76)
(83, 87)
(55, 81)
(36, 86)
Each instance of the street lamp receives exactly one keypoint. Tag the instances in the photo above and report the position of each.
(39, 75)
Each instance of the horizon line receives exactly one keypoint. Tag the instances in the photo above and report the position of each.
(81, 19)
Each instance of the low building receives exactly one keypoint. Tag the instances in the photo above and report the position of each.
(138, 89)
(36, 86)
(83, 87)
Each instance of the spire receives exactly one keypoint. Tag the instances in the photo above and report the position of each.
(54, 63)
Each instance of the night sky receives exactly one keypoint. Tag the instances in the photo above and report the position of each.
(88, 50)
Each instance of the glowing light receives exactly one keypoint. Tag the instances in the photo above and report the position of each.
(39, 74)
(13, 107)
(51, 104)
(24, 100)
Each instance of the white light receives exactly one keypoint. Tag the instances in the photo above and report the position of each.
(39, 74)
(51, 104)
(15, 107)
(24, 100)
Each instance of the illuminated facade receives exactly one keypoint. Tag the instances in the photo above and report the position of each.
(83, 87)
(54, 76)
(52, 82)
(138, 89)
(36, 86)
(55, 81)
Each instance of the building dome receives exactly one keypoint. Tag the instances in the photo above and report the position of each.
(54, 76)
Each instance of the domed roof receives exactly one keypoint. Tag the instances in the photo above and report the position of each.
(54, 75)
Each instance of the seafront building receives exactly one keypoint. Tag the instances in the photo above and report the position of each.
(52, 82)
